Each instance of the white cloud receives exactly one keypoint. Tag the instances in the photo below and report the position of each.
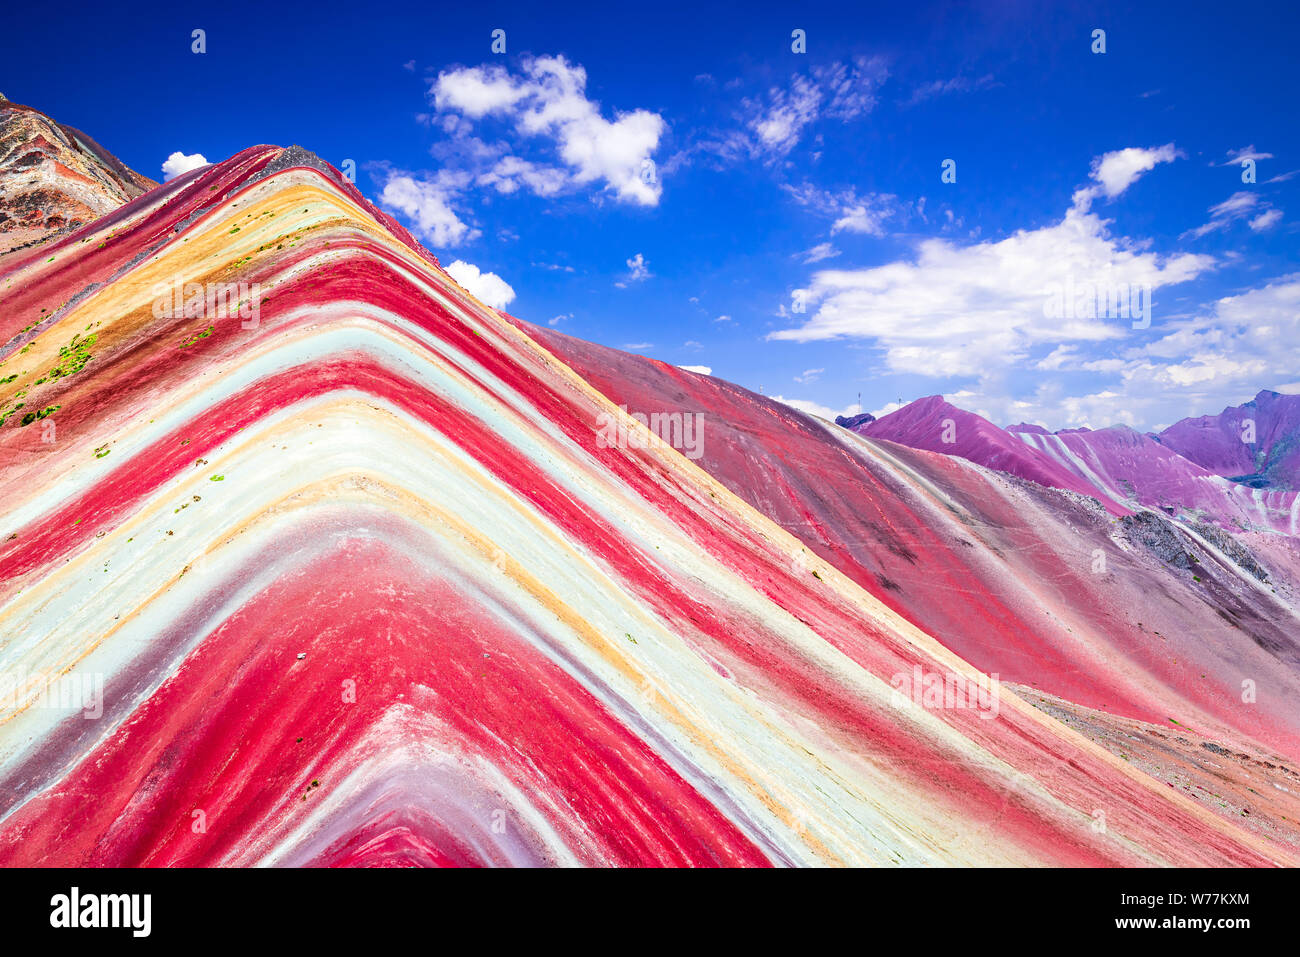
(476, 91)
(510, 173)
(1221, 355)
(973, 309)
(1239, 205)
(1245, 340)
(1116, 171)
(1053, 410)
(851, 88)
(840, 91)
(958, 84)
(1235, 205)
(1235, 157)
(1266, 220)
(809, 376)
(637, 271)
(426, 203)
(859, 219)
(1058, 358)
(850, 212)
(817, 409)
(548, 100)
(702, 370)
(178, 163)
(820, 252)
(723, 318)
(487, 287)
(779, 124)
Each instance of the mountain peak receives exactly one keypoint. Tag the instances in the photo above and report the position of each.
(1259, 439)
(54, 178)
(1028, 427)
(930, 402)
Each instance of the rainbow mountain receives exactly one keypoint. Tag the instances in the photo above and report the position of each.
(309, 558)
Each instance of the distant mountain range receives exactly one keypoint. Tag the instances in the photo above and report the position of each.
(1239, 469)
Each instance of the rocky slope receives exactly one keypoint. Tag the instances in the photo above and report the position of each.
(54, 178)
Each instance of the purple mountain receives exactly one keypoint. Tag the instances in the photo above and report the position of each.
(1257, 443)
(939, 426)
(1125, 469)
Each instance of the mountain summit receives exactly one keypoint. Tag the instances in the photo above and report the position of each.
(1257, 442)
(54, 178)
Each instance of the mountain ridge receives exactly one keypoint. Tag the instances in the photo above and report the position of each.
(361, 579)
(1127, 468)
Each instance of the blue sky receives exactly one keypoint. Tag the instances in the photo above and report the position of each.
(676, 180)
